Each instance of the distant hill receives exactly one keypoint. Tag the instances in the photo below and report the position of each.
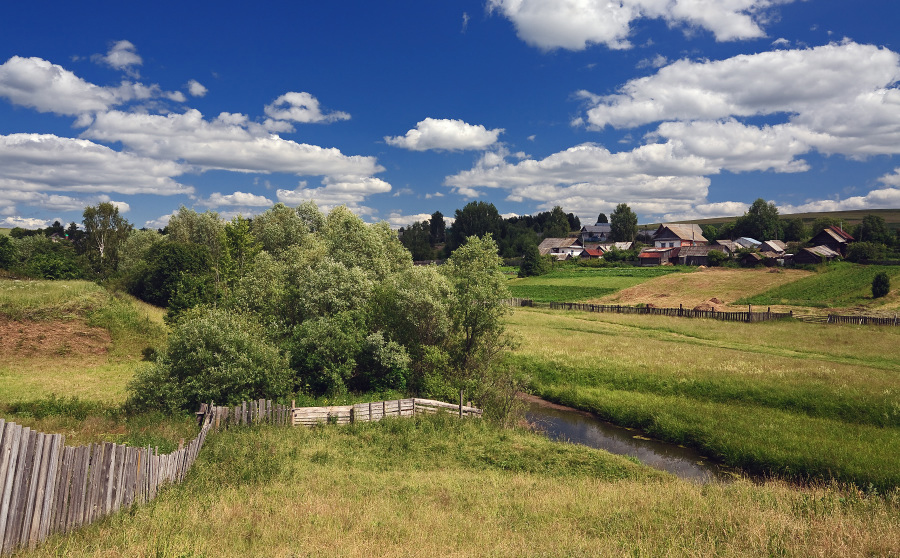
(4, 232)
(849, 218)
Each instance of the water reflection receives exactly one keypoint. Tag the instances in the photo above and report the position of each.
(563, 423)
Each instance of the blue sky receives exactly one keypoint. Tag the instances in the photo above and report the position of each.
(680, 108)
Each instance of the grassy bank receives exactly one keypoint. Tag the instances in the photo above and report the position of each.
(837, 284)
(794, 399)
(445, 487)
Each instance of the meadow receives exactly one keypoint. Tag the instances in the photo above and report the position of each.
(436, 485)
(574, 284)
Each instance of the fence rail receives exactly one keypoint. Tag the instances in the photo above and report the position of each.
(265, 411)
(680, 312)
(48, 488)
(862, 320)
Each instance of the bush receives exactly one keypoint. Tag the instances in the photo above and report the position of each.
(881, 285)
(213, 355)
(866, 251)
(716, 258)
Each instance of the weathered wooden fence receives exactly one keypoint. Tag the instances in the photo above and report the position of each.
(266, 412)
(48, 488)
(862, 320)
(680, 312)
(517, 302)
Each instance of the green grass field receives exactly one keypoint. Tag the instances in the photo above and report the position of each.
(440, 486)
(839, 284)
(793, 399)
(573, 284)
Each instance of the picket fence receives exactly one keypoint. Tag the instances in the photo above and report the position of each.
(266, 412)
(48, 488)
(862, 320)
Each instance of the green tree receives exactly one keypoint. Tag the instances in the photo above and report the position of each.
(795, 230)
(105, 230)
(822, 223)
(881, 285)
(417, 239)
(710, 232)
(279, 228)
(437, 229)
(7, 252)
(873, 229)
(240, 248)
(557, 226)
(760, 222)
(475, 219)
(166, 264)
(602, 218)
(533, 264)
(623, 224)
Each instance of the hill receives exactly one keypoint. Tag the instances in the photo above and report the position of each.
(849, 218)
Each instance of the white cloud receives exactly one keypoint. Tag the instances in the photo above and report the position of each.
(122, 55)
(397, 219)
(46, 87)
(657, 61)
(337, 190)
(301, 107)
(884, 198)
(241, 199)
(25, 223)
(891, 179)
(40, 162)
(452, 135)
(196, 89)
(159, 223)
(576, 24)
(230, 142)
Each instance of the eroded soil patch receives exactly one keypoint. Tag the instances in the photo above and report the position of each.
(57, 338)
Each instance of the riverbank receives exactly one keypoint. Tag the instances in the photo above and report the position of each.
(796, 400)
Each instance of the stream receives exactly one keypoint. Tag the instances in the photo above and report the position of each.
(580, 427)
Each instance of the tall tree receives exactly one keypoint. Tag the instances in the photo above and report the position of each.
(760, 222)
(623, 224)
(602, 219)
(475, 219)
(795, 230)
(417, 239)
(557, 226)
(438, 228)
(872, 229)
(105, 230)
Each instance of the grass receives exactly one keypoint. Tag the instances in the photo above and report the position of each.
(838, 284)
(464, 488)
(794, 399)
(574, 284)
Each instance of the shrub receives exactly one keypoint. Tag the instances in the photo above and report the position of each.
(213, 355)
(881, 285)
(533, 264)
(716, 258)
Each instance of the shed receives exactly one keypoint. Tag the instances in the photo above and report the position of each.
(815, 255)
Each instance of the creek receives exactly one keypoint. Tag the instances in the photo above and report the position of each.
(580, 427)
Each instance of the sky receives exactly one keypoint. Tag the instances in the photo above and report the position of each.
(680, 108)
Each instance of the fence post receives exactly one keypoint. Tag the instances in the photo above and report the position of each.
(460, 403)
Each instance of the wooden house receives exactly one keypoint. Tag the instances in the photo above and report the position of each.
(676, 235)
(834, 238)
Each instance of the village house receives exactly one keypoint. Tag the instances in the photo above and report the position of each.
(561, 248)
(676, 235)
(815, 255)
(834, 238)
(595, 233)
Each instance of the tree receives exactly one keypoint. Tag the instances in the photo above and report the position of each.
(533, 264)
(475, 219)
(557, 226)
(602, 219)
(417, 239)
(623, 224)
(872, 229)
(710, 232)
(7, 252)
(166, 263)
(438, 229)
(881, 285)
(105, 230)
(795, 230)
(760, 221)
(279, 228)
(241, 247)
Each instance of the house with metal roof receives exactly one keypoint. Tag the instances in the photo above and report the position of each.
(815, 255)
(676, 235)
(776, 246)
(833, 237)
(595, 233)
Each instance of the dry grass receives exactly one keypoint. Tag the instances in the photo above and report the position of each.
(316, 501)
(690, 289)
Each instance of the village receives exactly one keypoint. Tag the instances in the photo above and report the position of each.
(684, 244)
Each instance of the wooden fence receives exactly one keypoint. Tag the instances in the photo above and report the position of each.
(680, 312)
(862, 320)
(48, 488)
(264, 411)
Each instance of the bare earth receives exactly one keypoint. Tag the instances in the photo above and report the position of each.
(52, 338)
(693, 289)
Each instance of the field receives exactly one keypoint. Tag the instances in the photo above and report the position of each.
(577, 284)
(439, 486)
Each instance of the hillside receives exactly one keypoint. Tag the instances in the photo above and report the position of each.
(849, 218)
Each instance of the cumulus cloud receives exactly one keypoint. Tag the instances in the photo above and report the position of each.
(230, 142)
(122, 55)
(397, 219)
(577, 24)
(46, 87)
(40, 162)
(196, 89)
(25, 223)
(301, 107)
(238, 199)
(346, 190)
(451, 135)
